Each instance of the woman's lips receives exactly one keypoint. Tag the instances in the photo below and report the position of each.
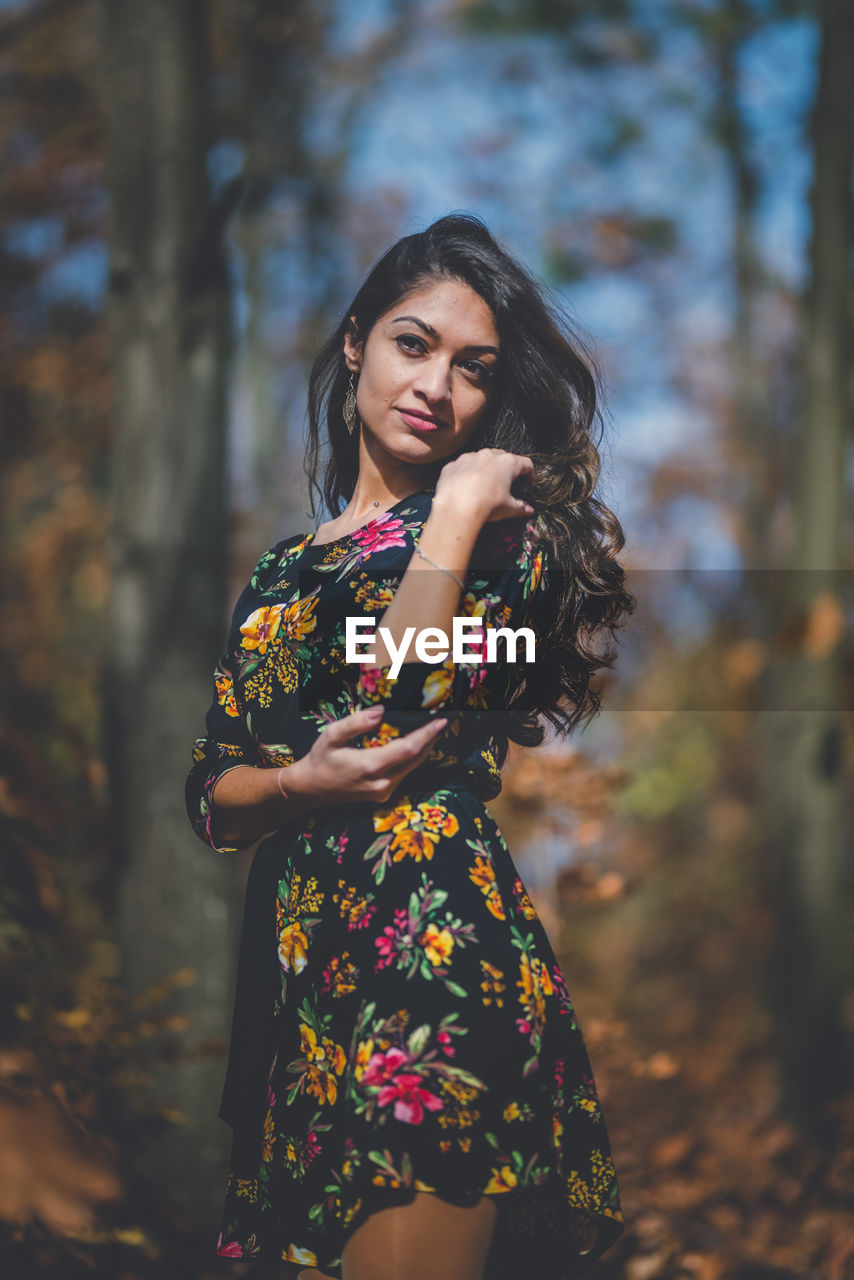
(417, 423)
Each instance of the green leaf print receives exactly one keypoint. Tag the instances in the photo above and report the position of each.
(418, 1040)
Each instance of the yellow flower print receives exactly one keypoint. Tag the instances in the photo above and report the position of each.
(524, 902)
(372, 597)
(356, 910)
(384, 734)
(298, 618)
(593, 1193)
(407, 840)
(437, 819)
(341, 975)
(308, 1042)
(261, 627)
(268, 1139)
(413, 844)
(483, 875)
(294, 1254)
(535, 979)
(503, 1179)
(458, 1091)
(326, 1060)
(363, 1057)
(416, 832)
(492, 986)
(350, 1213)
(438, 684)
(225, 694)
(457, 1113)
(335, 1054)
(511, 1111)
(536, 570)
(321, 1085)
(557, 1129)
(293, 948)
(437, 943)
(396, 819)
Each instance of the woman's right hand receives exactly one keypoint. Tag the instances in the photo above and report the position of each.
(480, 482)
(334, 772)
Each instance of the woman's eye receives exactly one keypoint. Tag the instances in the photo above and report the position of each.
(409, 339)
(479, 369)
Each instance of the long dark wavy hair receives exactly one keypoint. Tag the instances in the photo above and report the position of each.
(544, 403)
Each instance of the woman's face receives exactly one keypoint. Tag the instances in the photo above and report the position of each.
(425, 373)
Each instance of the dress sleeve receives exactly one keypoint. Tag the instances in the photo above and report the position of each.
(504, 596)
(227, 743)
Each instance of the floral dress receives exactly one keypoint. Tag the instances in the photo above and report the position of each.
(401, 1023)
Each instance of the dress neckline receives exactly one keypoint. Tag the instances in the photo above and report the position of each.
(347, 537)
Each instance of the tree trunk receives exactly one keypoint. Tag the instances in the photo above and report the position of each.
(176, 901)
(805, 778)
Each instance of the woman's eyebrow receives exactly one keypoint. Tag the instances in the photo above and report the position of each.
(434, 333)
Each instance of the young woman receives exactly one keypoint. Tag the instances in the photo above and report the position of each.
(407, 1082)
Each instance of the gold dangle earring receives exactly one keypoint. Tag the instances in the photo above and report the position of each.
(350, 406)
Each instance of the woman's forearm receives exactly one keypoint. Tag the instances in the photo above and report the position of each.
(249, 804)
(247, 799)
(427, 597)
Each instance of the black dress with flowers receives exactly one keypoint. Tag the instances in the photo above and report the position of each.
(401, 1023)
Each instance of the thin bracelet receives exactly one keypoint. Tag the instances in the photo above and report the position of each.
(450, 574)
(279, 783)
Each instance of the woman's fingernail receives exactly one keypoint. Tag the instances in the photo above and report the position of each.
(376, 711)
(439, 724)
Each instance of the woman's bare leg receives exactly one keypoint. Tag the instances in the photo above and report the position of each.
(419, 1241)
(401, 1243)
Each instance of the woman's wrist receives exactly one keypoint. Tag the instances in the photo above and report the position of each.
(293, 783)
(449, 535)
(249, 802)
(462, 512)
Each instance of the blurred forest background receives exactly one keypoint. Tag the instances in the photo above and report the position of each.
(191, 193)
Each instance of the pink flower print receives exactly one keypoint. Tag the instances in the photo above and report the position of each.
(409, 1097)
(233, 1250)
(523, 1025)
(380, 534)
(385, 945)
(271, 1097)
(382, 1066)
(559, 1064)
(563, 997)
(369, 679)
(341, 846)
(444, 1038)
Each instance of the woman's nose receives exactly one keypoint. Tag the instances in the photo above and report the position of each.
(433, 379)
